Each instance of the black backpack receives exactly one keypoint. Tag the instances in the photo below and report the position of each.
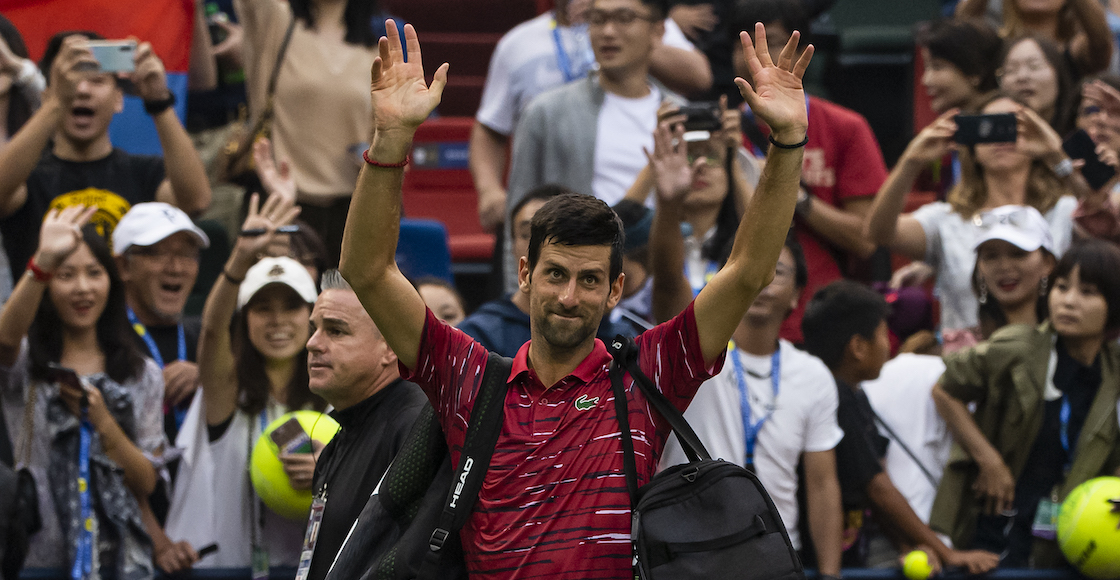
(705, 519)
(409, 527)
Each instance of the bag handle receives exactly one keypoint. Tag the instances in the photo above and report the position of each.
(478, 448)
(624, 349)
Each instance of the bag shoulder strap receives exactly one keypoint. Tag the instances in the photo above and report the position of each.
(478, 447)
(894, 437)
(280, 57)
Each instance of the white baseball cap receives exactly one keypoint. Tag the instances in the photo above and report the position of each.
(279, 270)
(149, 223)
(1020, 225)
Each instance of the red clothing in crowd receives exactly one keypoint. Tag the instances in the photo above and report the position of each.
(554, 502)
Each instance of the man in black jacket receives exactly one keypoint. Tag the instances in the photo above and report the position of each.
(352, 368)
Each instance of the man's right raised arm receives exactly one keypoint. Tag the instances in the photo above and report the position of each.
(20, 156)
(401, 101)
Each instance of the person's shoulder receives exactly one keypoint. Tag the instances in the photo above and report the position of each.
(1013, 336)
(571, 96)
(501, 310)
(529, 31)
(811, 371)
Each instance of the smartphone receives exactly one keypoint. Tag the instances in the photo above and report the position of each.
(291, 438)
(65, 376)
(207, 550)
(994, 128)
(703, 116)
(114, 56)
(1080, 145)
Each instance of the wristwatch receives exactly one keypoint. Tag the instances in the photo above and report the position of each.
(804, 203)
(158, 106)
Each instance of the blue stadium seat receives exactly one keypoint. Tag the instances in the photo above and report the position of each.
(422, 249)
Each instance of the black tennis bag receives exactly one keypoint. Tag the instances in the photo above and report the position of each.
(705, 519)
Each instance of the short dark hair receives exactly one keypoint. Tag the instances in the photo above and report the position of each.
(972, 46)
(575, 219)
(541, 192)
(1098, 263)
(54, 45)
(746, 13)
(838, 312)
(358, 17)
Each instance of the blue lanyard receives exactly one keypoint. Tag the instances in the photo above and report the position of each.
(562, 58)
(83, 558)
(751, 430)
(709, 272)
(1064, 432)
(956, 168)
(153, 349)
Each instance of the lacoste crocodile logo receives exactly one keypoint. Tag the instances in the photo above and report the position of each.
(584, 404)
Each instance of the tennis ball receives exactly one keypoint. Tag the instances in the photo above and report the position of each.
(267, 472)
(916, 565)
(1089, 528)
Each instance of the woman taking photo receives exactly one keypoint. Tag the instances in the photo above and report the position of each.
(88, 438)
(1032, 171)
(251, 372)
(1045, 418)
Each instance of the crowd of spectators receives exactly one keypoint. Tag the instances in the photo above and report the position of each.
(942, 406)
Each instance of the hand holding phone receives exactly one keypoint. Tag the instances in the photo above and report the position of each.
(291, 438)
(1096, 172)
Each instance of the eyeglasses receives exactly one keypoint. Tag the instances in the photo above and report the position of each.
(165, 255)
(621, 17)
(1032, 66)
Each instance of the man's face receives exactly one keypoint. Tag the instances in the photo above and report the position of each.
(779, 297)
(521, 227)
(158, 278)
(97, 99)
(569, 291)
(623, 34)
(346, 353)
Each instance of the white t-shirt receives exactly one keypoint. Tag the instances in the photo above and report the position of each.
(526, 63)
(212, 500)
(901, 398)
(949, 239)
(625, 131)
(804, 420)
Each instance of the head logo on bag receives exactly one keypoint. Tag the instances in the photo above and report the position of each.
(467, 463)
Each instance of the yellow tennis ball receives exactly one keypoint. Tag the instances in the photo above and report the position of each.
(267, 472)
(1089, 528)
(916, 565)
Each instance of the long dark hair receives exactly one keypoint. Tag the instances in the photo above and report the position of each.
(115, 337)
(19, 107)
(358, 18)
(252, 380)
(727, 221)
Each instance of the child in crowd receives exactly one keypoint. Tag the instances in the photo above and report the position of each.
(92, 437)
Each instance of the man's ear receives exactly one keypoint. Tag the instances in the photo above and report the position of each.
(616, 291)
(524, 275)
(857, 349)
(122, 268)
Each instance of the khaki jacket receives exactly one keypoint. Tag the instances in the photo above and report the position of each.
(1006, 376)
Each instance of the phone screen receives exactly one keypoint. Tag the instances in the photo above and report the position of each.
(994, 128)
(1080, 145)
(64, 375)
(291, 438)
(114, 55)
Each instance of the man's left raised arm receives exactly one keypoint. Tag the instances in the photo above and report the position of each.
(186, 186)
(778, 99)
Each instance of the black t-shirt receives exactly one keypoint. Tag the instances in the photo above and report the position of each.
(113, 184)
(859, 454)
(353, 462)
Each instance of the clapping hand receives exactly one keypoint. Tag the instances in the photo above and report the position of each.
(672, 173)
(778, 97)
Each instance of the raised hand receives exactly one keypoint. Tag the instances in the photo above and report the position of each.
(275, 177)
(149, 76)
(933, 142)
(60, 235)
(672, 173)
(74, 63)
(1037, 138)
(730, 134)
(401, 97)
(1104, 96)
(258, 231)
(778, 97)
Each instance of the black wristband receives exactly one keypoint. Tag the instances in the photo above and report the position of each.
(784, 146)
(156, 107)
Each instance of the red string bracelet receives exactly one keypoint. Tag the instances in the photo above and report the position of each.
(365, 155)
(36, 272)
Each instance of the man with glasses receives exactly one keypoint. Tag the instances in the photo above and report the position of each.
(589, 135)
(157, 248)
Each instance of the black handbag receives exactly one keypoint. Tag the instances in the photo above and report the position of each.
(409, 528)
(708, 518)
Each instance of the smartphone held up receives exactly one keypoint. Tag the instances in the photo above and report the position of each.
(113, 56)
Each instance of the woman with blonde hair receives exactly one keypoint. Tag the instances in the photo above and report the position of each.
(1033, 171)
